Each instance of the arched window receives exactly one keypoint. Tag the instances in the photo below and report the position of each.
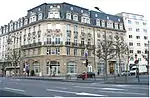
(36, 67)
(71, 67)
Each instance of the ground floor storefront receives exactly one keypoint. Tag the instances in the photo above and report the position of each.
(57, 65)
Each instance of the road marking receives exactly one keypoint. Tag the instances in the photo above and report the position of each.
(60, 87)
(69, 92)
(13, 89)
(123, 92)
(58, 97)
(88, 94)
(98, 88)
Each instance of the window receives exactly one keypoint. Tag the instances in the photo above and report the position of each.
(75, 17)
(103, 23)
(130, 36)
(145, 30)
(82, 52)
(39, 16)
(138, 51)
(137, 37)
(68, 50)
(144, 23)
(68, 16)
(75, 28)
(129, 22)
(130, 44)
(145, 37)
(131, 51)
(58, 50)
(116, 25)
(48, 50)
(145, 44)
(71, 67)
(57, 40)
(137, 30)
(137, 22)
(75, 51)
(97, 22)
(121, 26)
(130, 29)
(138, 44)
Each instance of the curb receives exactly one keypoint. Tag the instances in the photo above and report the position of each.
(61, 80)
(128, 83)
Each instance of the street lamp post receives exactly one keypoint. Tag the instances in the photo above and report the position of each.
(148, 59)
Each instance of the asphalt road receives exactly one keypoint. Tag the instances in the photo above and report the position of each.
(40, 88)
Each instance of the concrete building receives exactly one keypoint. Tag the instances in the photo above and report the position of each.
(136, 37)
(54, 38)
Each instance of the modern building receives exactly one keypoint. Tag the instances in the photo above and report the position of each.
(55, 37)
(136, 37)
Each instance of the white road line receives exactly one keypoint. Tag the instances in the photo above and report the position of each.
(69, 92)
(13, 89)
(58, 97)
(60, 87)
(99, 88)
(122, 92)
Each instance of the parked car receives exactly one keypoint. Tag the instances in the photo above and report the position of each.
(89, 75)
(124, 73)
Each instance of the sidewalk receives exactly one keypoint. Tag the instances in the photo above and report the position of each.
(144, 80)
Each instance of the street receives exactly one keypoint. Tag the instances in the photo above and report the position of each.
(40, 88)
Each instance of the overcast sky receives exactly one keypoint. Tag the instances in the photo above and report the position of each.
(14, 9)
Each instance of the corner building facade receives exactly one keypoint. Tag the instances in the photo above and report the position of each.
(54, 38)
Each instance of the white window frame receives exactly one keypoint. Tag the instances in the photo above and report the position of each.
(68, 15)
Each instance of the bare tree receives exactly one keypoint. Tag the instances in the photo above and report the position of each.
(14, 54)
(121, 49)
(106, 52)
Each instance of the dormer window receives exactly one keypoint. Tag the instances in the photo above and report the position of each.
(68, 16)
(109, 24)
(85, 18)
(116, 25)
(39, 16)
(97, 22)
(75, 17)
(121, 26)
(103, 23)
(54, 13)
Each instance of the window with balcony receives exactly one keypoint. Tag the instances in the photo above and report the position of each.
(58, 50)
(57, 40)
(48, 50)
(68, 50)
(82, 52)
(49, 40)
(68, 41)
(75, 51)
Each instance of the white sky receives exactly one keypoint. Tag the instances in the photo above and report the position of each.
(14, 9)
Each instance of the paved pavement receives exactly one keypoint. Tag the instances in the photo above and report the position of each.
(144, 79)
(40, 88)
